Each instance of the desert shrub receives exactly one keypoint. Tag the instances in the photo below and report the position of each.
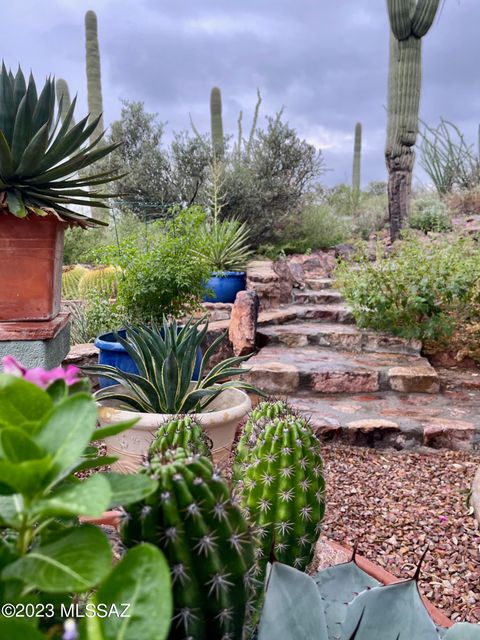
(80, 243)
(466, 203)
(93, 316)
(165, 276)
(415, 292)
(323, 228)
(430, 214)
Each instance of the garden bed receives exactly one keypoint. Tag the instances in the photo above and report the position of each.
(396, 504)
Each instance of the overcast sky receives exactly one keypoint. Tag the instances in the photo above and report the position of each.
(325, 61)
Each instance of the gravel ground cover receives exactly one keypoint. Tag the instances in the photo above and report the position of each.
(398, 504)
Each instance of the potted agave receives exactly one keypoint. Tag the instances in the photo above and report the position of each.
(164, 387)
(224, 244)
(39, 182)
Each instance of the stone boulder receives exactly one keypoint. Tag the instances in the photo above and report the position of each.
(243, 323)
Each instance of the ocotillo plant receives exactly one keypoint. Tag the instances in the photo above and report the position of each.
(94, 78)
(216, 122)
(63, 98)
(357, 160)
(410, 20)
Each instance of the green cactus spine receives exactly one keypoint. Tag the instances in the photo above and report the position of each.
(70, 281)
(410, 20)
(94, 78)
(63, 99)
(99, 282)
(283, 491)
(217, 122)
(257, 420)
(206, 541)
(357, 162)
(181, 433)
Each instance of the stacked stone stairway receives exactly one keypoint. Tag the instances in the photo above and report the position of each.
(359, 386)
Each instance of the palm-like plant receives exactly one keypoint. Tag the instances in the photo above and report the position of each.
(40, 157)
(225, 245)
(165, 358)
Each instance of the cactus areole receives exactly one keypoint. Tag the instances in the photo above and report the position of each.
(410, 20)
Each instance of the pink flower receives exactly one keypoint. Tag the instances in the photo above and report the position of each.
(39, 376)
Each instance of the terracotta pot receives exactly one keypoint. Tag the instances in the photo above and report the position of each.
(220, 424)
(31, 256)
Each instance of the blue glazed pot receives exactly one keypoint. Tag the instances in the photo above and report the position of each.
(113, 354)
(226, 285)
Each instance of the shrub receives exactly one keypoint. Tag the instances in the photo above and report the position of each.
(429, 214)
(164, 277)
(323, 228)
(93, 316)
(466, 203)
(415, 292)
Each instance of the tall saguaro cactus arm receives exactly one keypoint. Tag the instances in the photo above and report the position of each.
(94, 78)
(357, 161)
(410, 20)
(216, 122)
(63, 99)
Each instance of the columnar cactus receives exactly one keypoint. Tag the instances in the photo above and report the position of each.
(207, 543)
(70, 281)
(257, 420)
(410, 20)
(63, 99)
(181, 433)
(283, 491)
(94, 79)
(216, 122)
(357, 161)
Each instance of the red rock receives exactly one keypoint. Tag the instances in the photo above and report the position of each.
(274, 377)
(38, 330)
(413, 379)
(441, 433)
(345, 381)
(243, 323)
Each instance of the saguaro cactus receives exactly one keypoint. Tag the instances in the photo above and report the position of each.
(357, 161)
(63, 98)
(410, 20)
(94, 78)
(216, 122)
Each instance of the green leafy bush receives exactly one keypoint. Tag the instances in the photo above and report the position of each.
(165, 276)
(415, 292)
(429, 214)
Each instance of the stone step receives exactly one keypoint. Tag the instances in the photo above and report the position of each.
(280, 370)
(336, 336)
(319, 283)
(388, 419)
(332, 313)
(326, 296)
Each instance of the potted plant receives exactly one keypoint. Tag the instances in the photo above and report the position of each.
(164, 387)
(39, 164)
(224, 244)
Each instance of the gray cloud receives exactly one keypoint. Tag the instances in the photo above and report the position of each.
(325, 61)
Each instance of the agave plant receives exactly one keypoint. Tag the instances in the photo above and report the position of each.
(40, 158)
(225, 245)
(165, 358)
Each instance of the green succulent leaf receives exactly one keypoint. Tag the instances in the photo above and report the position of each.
(77, 562)
(142, 580)
(127, 489)
(21, 402)
(293, 607)
(90, 497)
(17, 629)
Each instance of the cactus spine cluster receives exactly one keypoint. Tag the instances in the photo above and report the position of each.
(206, 541)
(410, 21)
(94, 79)
(217, 122)
(70, 281)
(181, 433)
(63, 99)
(282, 491)
(357, 162)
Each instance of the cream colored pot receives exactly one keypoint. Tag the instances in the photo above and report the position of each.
(220, 424)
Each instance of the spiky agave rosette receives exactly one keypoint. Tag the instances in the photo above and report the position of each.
(41, 157)
(207, 542)
(282, 491)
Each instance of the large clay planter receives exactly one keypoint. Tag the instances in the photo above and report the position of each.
(31, 256)
(220, 424)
